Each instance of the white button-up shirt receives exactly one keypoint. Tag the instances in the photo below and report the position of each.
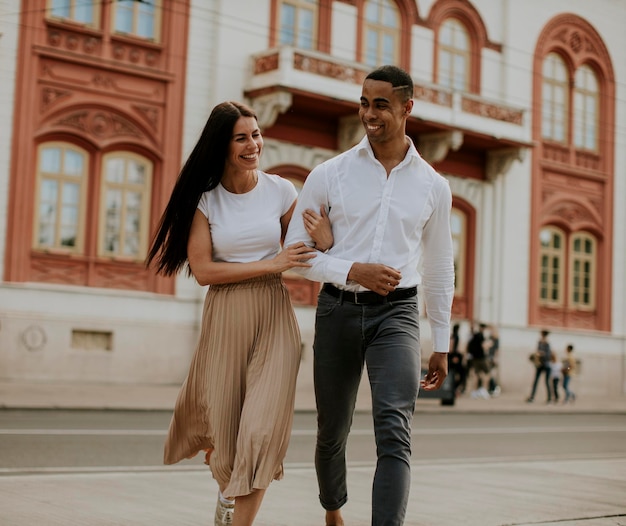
(401, 220)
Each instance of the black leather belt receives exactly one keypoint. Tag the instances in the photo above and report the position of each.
(369, 297)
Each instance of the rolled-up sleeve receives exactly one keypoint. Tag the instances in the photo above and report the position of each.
(438, 268)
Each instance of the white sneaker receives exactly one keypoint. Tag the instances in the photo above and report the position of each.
(224, 513)
(483, 393)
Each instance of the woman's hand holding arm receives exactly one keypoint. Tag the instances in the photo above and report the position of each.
(319, 228)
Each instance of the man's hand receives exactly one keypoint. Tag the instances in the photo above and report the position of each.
(375, 276)
(437, 371)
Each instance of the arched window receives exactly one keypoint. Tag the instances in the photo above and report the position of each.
(573, 173)
(586, 109)
(381, 33)
(298, 23)
(555, 103)
(140, 19)
(61, 187)
(582, 271)
(125, 206)
(552, 268)
(454, 55)
(458, 225)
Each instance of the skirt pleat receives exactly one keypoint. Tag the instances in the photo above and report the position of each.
(238, 398)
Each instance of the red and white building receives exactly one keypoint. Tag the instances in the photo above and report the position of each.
(521, 105)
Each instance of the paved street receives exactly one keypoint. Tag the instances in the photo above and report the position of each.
(93, 468)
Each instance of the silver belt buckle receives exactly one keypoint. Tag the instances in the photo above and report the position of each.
(356, 297)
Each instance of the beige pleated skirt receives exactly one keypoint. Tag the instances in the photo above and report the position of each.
(238, 398)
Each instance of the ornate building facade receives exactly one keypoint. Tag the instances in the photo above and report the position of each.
(517, 104)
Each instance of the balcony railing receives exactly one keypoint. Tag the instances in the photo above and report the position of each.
(310, 71)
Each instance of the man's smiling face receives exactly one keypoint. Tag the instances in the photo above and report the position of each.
(383, 111)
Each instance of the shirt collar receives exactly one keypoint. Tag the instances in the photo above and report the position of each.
(364, 145)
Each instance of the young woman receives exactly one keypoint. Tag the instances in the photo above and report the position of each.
(226, 220)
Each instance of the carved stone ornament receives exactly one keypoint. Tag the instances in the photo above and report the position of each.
(434, 147)
(34, 338)
(101, 124)
(499, 161)
(269, 106)
(350, 132)
(50, 95)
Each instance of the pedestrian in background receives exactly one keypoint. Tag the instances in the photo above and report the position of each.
(556, 373)
(492, 345)
(389, 209)
(480, 364)
(456, 367)
(225, 221)
(569, 370)
(541, 359)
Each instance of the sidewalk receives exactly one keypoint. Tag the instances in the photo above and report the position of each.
(41, 395)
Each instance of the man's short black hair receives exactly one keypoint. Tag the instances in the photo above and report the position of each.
(398, 78)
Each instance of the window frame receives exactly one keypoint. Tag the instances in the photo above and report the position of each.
(381, 31)
(96, 9)
(298, 5)
(83, 182)
(573, 274)
(549, 116)
(157, 25)
(581, 120)
(454, 52)
(144, 216)
(552, 253)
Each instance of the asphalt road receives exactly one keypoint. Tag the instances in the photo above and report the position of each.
(103, 468)
(56, 440)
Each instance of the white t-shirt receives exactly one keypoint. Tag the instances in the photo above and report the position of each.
(246, 227)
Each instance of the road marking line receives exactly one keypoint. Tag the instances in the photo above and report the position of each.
(357, 432)
(306, 466)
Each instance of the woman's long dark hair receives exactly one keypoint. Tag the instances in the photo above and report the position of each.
(202, 172)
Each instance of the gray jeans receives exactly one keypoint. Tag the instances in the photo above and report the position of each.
(386, 338)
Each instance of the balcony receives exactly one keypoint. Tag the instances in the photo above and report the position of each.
(323, 93)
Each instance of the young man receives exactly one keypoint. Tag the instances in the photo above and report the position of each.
(388, 210)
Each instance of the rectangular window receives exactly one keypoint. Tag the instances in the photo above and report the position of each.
(125, 205)
(586, 108)
(297, 23)
(140, 19)
(453, 56)
(381, 30)
(61, 182)
(82, 11)
(554, 118)
(551, 267)
(583, 255)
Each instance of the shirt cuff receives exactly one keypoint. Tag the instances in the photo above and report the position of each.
(337, 271)
(441, 339)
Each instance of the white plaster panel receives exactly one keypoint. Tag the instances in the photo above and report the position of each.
(514, 249)
(423, 7)
(422, 50)
(243, 31)
(492, 75)
(492, 13)
(279, 152)
(41, 349)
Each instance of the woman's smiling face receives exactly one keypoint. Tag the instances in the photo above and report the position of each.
(246, 144)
